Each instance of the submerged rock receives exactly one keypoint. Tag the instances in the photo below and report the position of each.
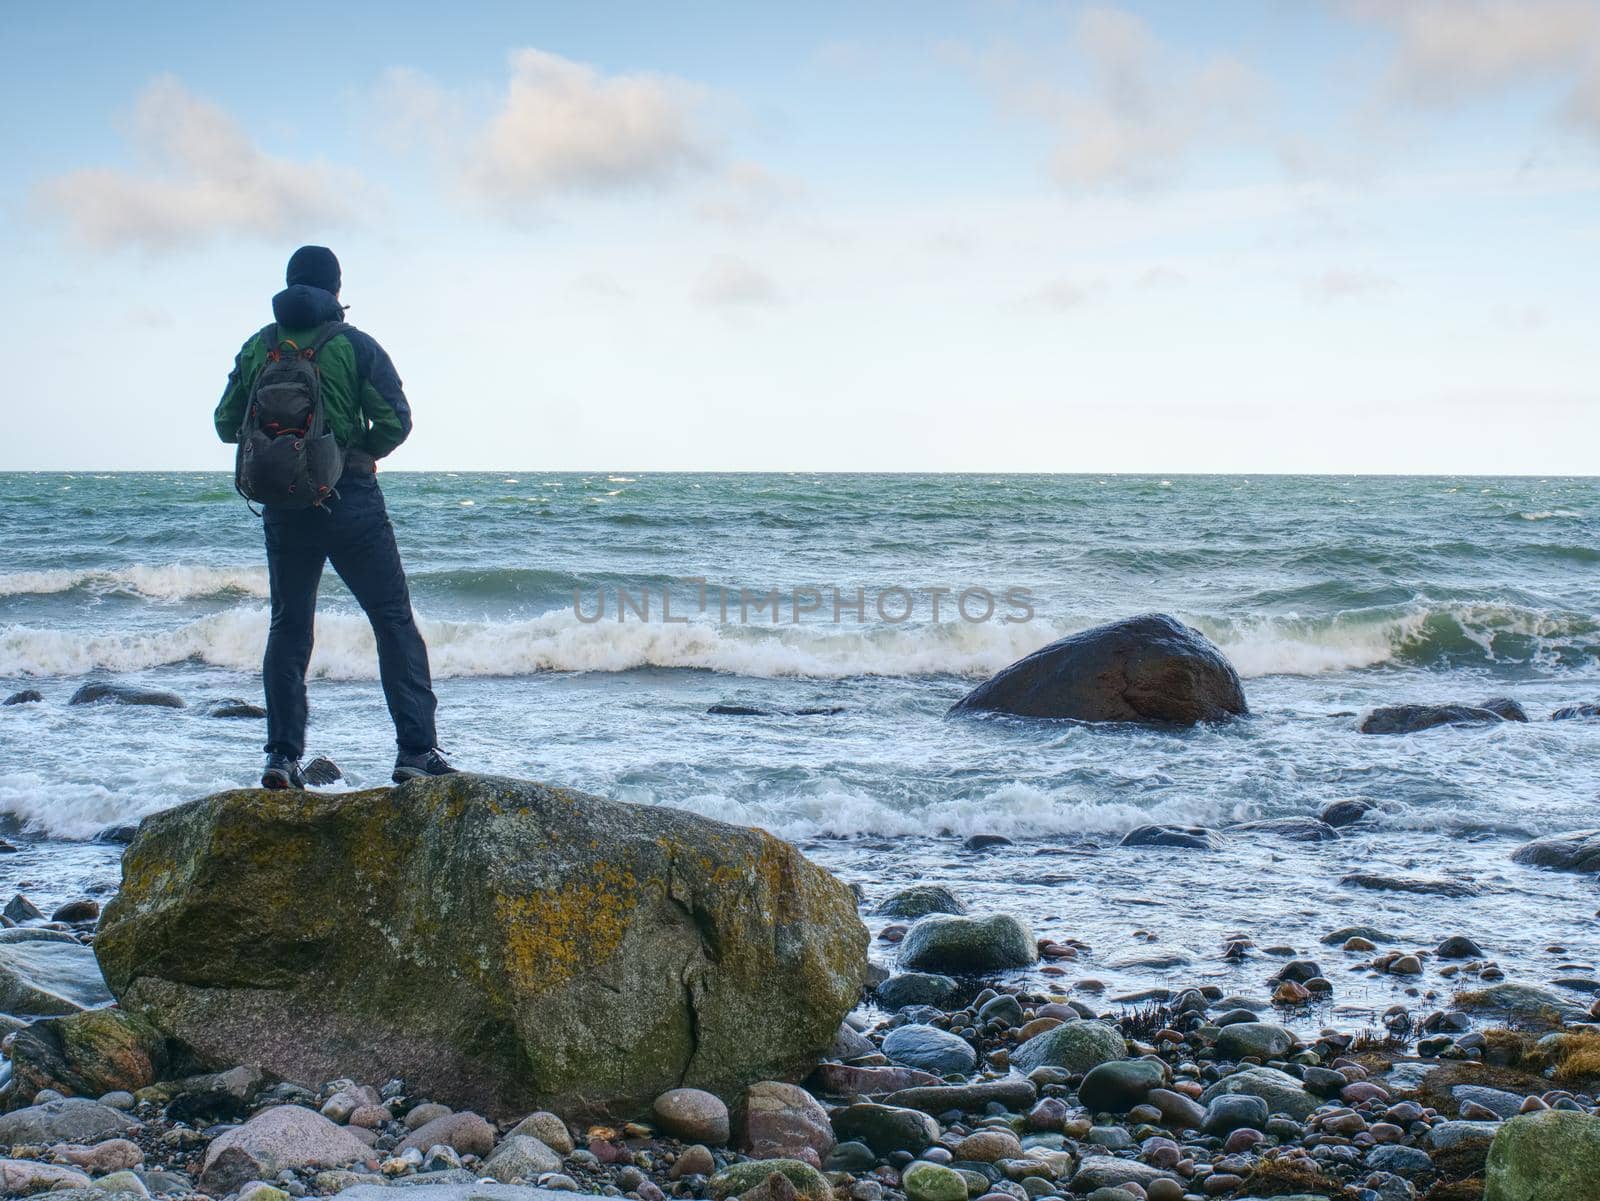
(1409, 719)
(1417, 884)
(28, 696)
(1575, 852)
(234, 707)
(494, 942)
(1565, 713)
(1348, 811)
(1189, 838)
(1524, 1001)
(1544, 1157)
(968, 945)
(125, 694)
(920, 900)
(1295, 829)
(1151, 669)
(917, 988)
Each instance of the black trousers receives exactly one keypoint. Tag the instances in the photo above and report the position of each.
(353, 533)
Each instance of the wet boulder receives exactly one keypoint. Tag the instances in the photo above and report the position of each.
(1150, 669)
(968, 946)
(1579, 712)
(1578, 851)
(1410, 719)
(125, 694)
(49, 978)
(920, 900)
(1294, 829)
(28, 696)
(1348, 812)
(234, 707)
(1187, 838)
(501, 945)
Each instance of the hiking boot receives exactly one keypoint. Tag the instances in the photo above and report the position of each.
(282, 772)
(413, 765)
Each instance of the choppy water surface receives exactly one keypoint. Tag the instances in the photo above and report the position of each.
(1329, 594)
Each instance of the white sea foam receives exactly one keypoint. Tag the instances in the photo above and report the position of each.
(170, 582)
(557, 641)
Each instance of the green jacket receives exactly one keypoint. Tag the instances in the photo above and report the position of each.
(361, 394)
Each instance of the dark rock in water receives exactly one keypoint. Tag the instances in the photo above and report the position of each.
(1295, 829)
(920, 900)
(1408, 719)
(1298, 970)
(1575, 852)
(1189, 838)
(968, 945)
(83, 910)
(756, 711)
(1416, 884)
(320, 771)
(28, 696)
(117, 835)
(1507, 708)
(20, 909)
(917, 988)
(515, 944)
(1565, 713)
(1151, 669)
(125, 694)
(1349, 811)
(984, 842)
(234, 707)
(1458, 946)
(1524, 1001)
(89, 1054)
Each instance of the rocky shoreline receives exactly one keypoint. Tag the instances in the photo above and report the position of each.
(952, 1079)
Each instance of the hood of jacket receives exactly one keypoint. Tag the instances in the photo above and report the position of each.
(300, 306)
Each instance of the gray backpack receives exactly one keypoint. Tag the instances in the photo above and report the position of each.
(288, 457)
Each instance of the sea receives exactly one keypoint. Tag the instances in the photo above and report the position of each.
(585, 629)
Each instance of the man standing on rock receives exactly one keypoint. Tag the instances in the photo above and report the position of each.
(313, 404)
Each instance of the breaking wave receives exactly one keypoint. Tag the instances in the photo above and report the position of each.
(1451, 635)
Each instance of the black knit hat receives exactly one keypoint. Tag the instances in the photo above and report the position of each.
(316, 266)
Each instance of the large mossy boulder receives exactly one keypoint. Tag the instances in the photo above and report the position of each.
(1545, 1156)
(501, 945)
(1150, 669)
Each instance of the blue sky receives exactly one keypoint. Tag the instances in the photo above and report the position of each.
(1291, 235)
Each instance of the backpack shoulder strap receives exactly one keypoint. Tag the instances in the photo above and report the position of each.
(328, 332)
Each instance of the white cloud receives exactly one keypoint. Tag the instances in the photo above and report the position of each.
(201, 176)
(1062, 295)
(1142, 110)
(1454, 51)
(1337, 285)
(748, 193)
(563, 126)
(731, 283)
